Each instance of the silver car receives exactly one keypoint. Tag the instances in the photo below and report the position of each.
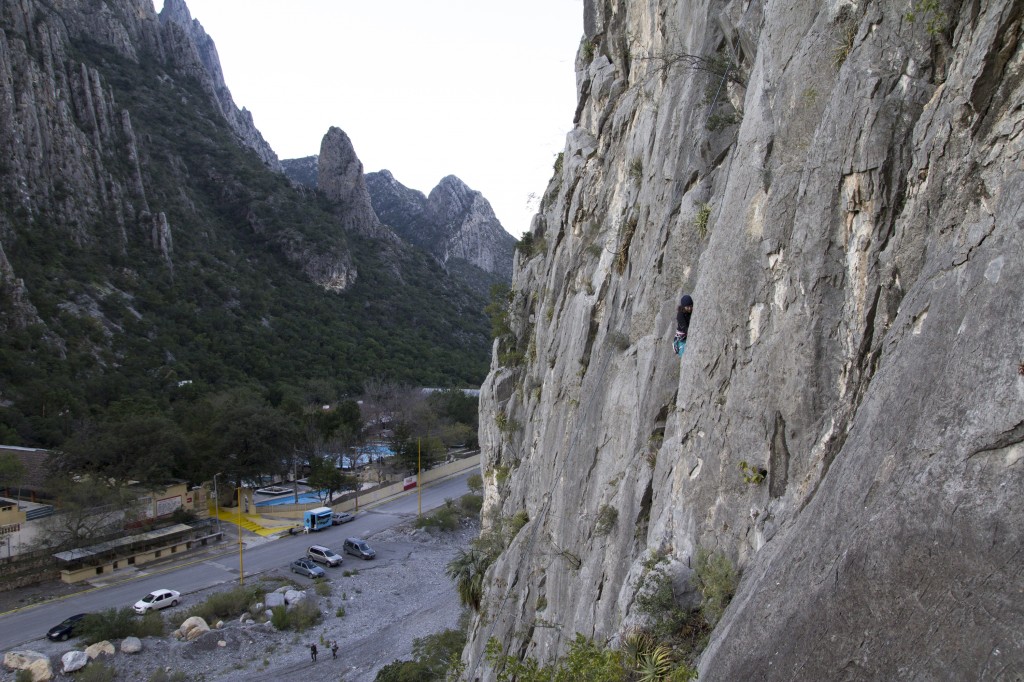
(307, 567)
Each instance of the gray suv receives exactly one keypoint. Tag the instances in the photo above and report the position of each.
(324, 555)
(359, 548)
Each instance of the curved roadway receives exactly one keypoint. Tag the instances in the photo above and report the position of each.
(191, 573)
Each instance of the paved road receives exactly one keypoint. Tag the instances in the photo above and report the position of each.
(193, 574)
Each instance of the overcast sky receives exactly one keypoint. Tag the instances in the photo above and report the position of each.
(481, 89)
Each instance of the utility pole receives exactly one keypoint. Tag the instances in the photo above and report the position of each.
(216, 502)
(241, 571)
(419, 478)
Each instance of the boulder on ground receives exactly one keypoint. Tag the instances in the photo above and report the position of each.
(73, 660)
(100, 648)
(294, 596)
(192, 627)
(131, 645)
(275, 599)
(36, 663)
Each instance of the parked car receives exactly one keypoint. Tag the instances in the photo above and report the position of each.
(67, 628)
(157, 599)
(342, 517)
(324, 555)
(359, 548)
(307, 567)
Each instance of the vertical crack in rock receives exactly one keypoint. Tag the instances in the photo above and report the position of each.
(778, 460)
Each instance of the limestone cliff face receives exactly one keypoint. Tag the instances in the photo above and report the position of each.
(840, 187)
(340, 178)
(194, 52)
(60, 126)
(472, 230)
(453, 223)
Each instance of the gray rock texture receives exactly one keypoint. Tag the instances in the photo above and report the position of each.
(340, 178)
(839, 186)
(455, 224)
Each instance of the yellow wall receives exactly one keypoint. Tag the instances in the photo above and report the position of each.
(9, 512)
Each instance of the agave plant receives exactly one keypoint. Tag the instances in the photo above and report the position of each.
(654, 665)
(467, 570)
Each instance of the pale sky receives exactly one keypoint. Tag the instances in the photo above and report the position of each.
(481, 89)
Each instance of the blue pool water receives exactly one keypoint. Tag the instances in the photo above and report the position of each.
(304, 498)
(367, 454)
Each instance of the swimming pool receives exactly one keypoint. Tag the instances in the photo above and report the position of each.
(304, 498)
(366, 454)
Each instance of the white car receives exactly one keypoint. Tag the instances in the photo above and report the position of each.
(157, 599)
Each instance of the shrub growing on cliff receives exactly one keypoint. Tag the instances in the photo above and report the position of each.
(607, 517)
(435, 657)
(467, 570)
(700, 221)
(717, 581)
(585, 660)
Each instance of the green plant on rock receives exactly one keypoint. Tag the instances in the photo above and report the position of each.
(587, 49)
(752, 475)
(517, 521)
(559, 160)
(585, 660)
(636, 168)
(525, 245)
(700, 221)
(717, 580)
(931, 13)
(722, 120)
(607, 517)
(843, 45)
(467, 569)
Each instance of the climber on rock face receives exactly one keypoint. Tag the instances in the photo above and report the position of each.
(683, 311)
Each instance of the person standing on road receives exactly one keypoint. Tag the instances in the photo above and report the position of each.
(312, 652)
(334, 649)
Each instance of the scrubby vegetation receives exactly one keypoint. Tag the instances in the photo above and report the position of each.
(225, 605)
(435, 658)
(120, 623)
(298, 617)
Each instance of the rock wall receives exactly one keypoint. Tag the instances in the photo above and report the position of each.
(839, 186)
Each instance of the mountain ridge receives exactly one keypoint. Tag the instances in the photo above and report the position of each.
(147, 238)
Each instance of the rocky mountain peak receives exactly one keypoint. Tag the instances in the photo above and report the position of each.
(454, 222)
(340, 178)
(189, 47)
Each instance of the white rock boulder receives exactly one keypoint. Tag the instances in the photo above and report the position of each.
(131, 645)
(73, 660)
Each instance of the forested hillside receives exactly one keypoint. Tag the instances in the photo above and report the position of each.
(149, 256)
